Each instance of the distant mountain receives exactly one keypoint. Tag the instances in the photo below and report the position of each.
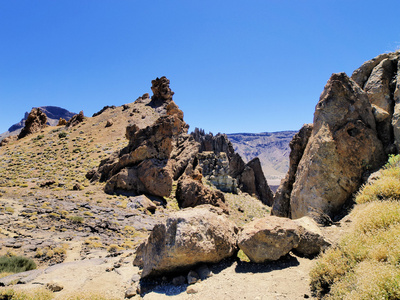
(272, 148)
(53, 113)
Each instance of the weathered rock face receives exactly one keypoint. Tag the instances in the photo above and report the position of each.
(249, 177)
(191, 192)
(281, 205)
(188, 237)
(216, 169)
(163, 152)
(312, 241)
(155, 156)
(379, 78)
(268, 238)
(356, 123)
(35, 122)
(142, 167)
(76, 119)
(343, 145)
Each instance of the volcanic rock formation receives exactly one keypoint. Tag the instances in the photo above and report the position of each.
(35, 122)
(344, 144)
(164, 152)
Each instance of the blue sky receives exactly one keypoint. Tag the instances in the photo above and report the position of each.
(235, 66)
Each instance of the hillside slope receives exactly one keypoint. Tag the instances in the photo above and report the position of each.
(53, 113)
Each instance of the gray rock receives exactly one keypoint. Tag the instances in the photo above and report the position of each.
(179, 280)
(312, 241)
(192, 277)
(188, 237)
(268, 238)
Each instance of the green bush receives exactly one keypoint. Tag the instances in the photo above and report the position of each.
(16, 264)
(62, 134)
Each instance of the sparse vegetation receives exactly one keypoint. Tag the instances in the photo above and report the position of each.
(35, 294)
(16, 264)
(366, 262)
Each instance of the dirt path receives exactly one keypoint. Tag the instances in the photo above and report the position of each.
(285, 279)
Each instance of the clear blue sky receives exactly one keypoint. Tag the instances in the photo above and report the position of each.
(235, 66)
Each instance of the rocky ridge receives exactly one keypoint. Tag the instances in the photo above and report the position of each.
(164, 153)
(355, 125)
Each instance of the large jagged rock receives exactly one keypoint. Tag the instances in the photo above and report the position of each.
(187, 238)
(268, 238)
(343, 145)
(76, 119)
(155, 156)
(215, 169)
(191, 192)
(281, 205)
(35, 122)
(250, 178)
(143, 166)
(379, 78)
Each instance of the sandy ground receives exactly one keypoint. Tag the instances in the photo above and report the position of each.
(285, 279)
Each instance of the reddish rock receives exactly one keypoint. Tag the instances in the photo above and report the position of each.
(35, 122)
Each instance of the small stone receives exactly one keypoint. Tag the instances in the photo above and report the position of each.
(192, 277)
(179, 280)
(54, 286)
(204, 272)
(131, 292)
(135, 278)
(191, 290)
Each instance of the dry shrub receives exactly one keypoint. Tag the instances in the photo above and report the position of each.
(370, 280)
(366, 262)
(34, 294)
(386, 187)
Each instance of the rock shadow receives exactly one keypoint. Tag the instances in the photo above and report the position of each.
(287, 261)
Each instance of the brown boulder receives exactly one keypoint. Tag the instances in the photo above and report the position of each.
(268, 238)
(343, 145)
(187, 238)
(191, 192)
(281, 206)
(312, 241)
(35, 122)
(76, 119)
(62, 122)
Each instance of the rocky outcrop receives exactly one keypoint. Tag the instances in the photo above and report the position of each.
(187, 238)
(53, 113)
(281, 205)
(379, 78)
(249, 177)
(35, 122)
(155, 156)
(62, 122)
(191, 192)
(268, 238)
(344, 144)
(76, 119)
(163, 152)
(215, 169)
(143, 166)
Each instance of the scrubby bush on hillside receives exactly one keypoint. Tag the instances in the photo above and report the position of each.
(366, 262)
(16, 264)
